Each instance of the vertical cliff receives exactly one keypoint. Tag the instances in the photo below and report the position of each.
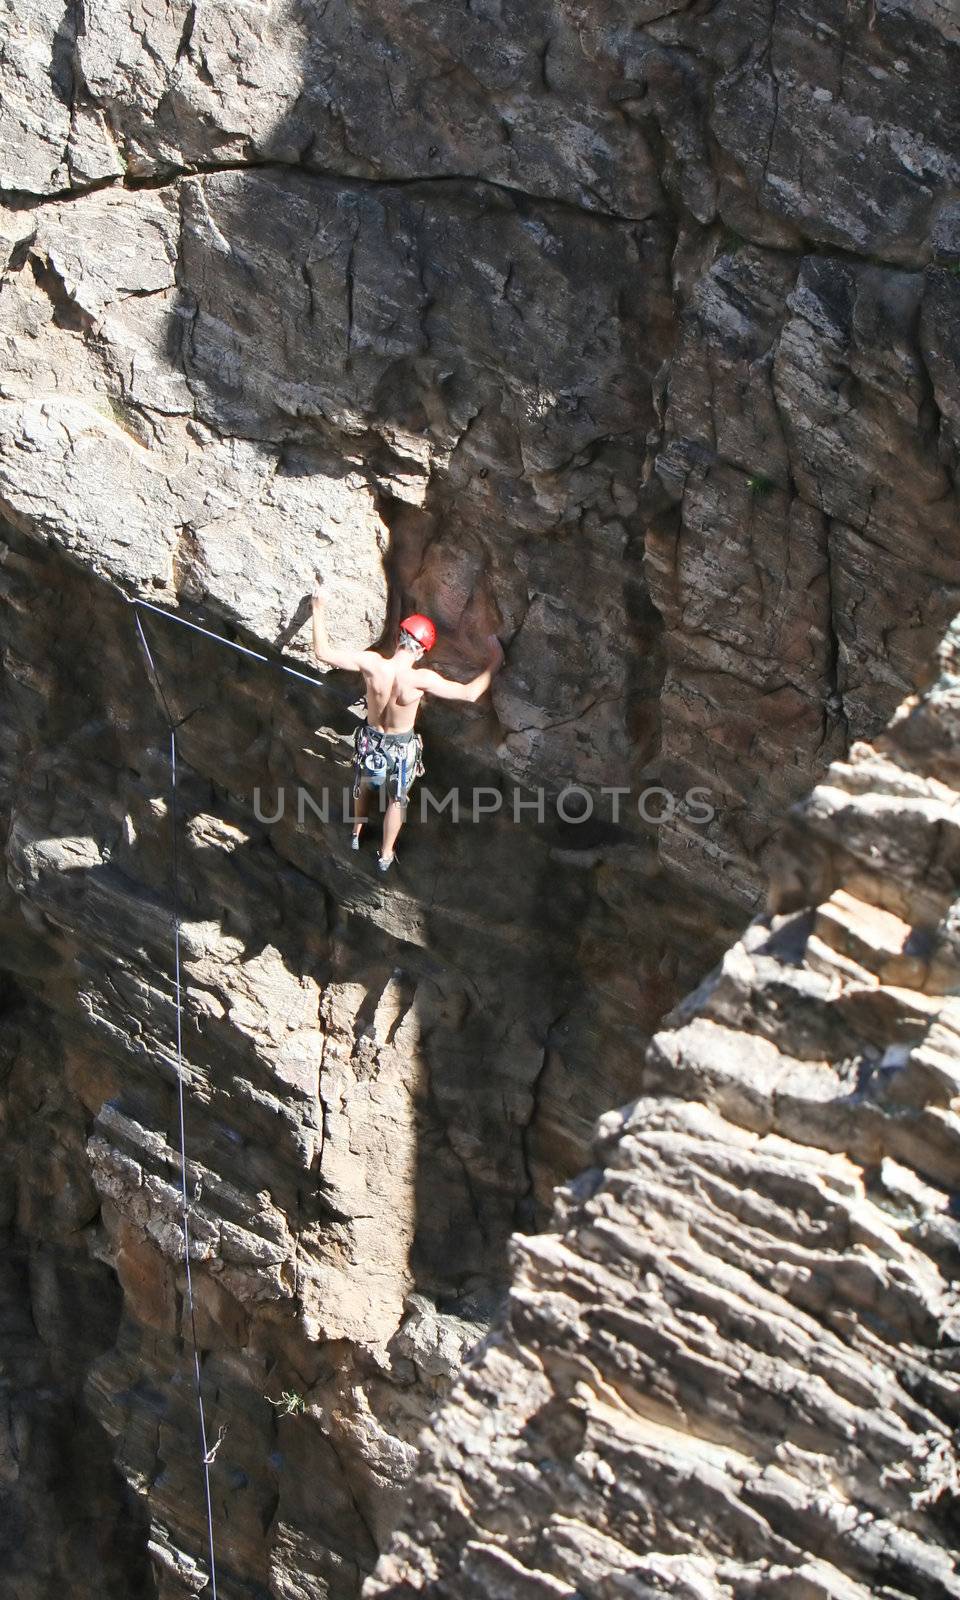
(730, 1368)
(628, 331)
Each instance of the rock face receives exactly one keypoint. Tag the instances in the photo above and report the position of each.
(731, 1367)
(630, 331)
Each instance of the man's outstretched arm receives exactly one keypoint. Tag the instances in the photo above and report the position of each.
(448, 689)
(326, 653)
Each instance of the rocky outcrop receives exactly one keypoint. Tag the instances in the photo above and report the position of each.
(628, 331)
(730, 1367)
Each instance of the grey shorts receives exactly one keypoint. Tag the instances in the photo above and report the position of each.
(387, 760)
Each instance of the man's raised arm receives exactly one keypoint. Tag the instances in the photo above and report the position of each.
(448, 689)
(326, 653)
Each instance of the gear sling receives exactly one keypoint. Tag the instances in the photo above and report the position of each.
(391, 759)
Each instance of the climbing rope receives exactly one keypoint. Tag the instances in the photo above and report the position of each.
(242, 648)
(206, 1454)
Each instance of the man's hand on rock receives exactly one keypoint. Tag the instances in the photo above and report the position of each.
(318, 600)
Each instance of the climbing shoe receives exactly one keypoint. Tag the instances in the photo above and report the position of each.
(384, 863)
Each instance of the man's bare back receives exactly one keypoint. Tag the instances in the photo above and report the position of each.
(393, 698)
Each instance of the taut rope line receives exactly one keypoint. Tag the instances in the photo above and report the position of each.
(242, 648)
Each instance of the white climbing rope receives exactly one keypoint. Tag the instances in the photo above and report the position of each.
(242, 648)
(206, 1454)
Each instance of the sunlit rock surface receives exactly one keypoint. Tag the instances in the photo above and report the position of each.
(731, 1366)
(627, 331)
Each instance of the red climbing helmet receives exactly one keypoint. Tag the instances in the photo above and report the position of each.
(421, 629)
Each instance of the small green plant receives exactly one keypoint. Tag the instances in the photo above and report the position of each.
(760, 485)
(290, 1404)
(110, 408)
(115, 412)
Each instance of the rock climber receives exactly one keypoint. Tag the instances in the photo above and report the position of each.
(389, 752)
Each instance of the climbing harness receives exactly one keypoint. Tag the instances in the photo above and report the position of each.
(394, 759)
(370, 765)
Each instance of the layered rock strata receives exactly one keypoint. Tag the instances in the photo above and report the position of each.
(730, 1368)
(629, 332)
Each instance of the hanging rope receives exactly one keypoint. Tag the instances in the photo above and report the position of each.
(206, 1454)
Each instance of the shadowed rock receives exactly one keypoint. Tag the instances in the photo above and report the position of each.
(731, 1366)
(628, 331)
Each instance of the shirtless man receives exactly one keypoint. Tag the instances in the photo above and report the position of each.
(395, 688)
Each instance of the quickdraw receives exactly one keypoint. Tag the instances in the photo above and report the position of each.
(381, 757)
(370, 765)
